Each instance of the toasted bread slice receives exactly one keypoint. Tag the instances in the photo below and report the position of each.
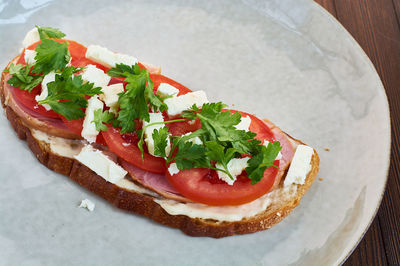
(136, 199)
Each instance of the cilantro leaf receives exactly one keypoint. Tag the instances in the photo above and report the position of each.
(262, 160)
(48, 32)
(138, 98)
(160, 137)
(101, 117)
(21, 78)
(51, 56)
(66, 95)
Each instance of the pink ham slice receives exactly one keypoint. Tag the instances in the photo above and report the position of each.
(156, 182)
(287, 151)
(52, 126)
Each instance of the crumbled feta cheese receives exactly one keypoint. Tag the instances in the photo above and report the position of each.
(180, 103)
(95, 75)
(98, 162)
(110, 95)
(87, 204)
(279, 156)
(108, 58)
(148, 132)
(235, 167)
(30, 57)
(173, 169)
(244, 123)
(300, 166)
(89, 131)
(195, 140)
(31, 37)
(43, 95)
(166, 90)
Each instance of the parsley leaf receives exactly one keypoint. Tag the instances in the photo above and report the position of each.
(138, 98)
(67, 94)
(51, 56)
(101, 117)
(21, 78)
(217, 152)
(48, 32)
(190, 155)
(262, 160)
(160, 137)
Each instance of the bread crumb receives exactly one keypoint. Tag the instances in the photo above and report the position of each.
(87, 204)
(327, 149)
(321, 178)
(278, 214)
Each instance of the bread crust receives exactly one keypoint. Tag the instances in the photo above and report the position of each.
(145, 205)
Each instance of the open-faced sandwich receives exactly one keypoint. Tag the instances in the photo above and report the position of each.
(148, 144)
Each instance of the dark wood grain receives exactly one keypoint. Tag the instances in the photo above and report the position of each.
(368, 252)
(375, 24)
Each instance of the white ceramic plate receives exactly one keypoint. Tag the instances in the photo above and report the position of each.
(289, 61)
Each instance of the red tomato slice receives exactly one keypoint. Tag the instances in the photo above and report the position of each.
(75, 126)
(26, 99)
(259, 127)
(158, 79)
(198, 185)
(118, 144)
(203, 185)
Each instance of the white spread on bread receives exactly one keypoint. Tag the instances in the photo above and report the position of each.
(129, 185)
(60, 146)
(227, 213)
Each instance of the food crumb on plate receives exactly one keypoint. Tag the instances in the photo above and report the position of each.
(87, 204)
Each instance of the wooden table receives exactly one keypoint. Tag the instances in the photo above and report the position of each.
(375, 24)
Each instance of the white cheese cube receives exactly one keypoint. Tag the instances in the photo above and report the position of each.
(108, 58)
(89, 131)
(166, 90)
(173, 169)
(300, 165)
(178, 104)
(45, 92)
(148, 132)
(95, 75)
(87, 204)
(244, 124)
(110, 95)
(235, 166)
(195, 140)
(102, 165)
(279, 156)
(30, 57)
(31, 37)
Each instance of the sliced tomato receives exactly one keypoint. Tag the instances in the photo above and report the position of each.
(25, 98)
(203, 185)
(198, 185)
(75, 126)
(158, 79)
(259, 127)
(125, 146)
(180, 128)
